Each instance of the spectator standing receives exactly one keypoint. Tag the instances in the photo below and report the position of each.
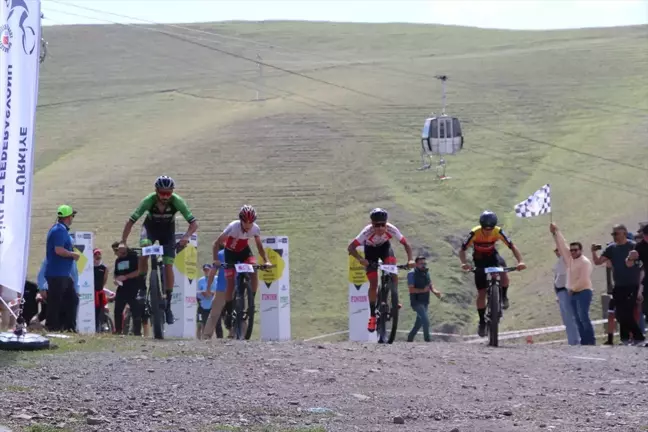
(579, 284)
(420, 285)
(218, 303)
(640, 255)
(61, 294)
(100, 281)
(625, 274)
(128, 281)
(564, 300)
(204, 300)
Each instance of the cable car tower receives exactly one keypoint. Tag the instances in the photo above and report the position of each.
(441, 136)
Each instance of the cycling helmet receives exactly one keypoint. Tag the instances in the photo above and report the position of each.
(164, 182)
(247, 214)
(488, 219)
(378, 215)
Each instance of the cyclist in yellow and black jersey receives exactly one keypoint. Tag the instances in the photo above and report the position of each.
(483, 238)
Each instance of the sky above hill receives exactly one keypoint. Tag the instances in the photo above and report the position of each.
(504, 14)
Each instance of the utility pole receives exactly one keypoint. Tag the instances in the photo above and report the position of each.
(259, 95)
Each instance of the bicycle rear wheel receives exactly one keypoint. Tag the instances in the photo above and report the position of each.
(157, 302)
(494, 305)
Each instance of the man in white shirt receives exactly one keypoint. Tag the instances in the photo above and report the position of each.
(564, 302)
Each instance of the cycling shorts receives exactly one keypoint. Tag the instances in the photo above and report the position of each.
(203, 315)
(495, 260)
(166, 240)
(383, 252)
(244, 256)
(101, 299)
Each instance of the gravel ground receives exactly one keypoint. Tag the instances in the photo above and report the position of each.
(224, 385)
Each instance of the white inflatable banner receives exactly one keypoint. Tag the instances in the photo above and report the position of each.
(183, 301)
(83, 244)
(274, 290)
(359, 301)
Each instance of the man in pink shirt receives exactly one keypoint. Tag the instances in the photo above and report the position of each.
(579, 283)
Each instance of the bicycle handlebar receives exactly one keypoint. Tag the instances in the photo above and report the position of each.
(254, 266)
(375, 264)
(504, 269)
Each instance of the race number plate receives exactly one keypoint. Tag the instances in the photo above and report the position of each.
(244, 268)
(389, 268)
(493, 270)
(153, 250)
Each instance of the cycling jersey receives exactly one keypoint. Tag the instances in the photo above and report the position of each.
(165, 218)
(369, 237)
(237, 239)
(483, 242)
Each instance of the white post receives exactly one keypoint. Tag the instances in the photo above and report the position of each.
(83, 244)
(183, 302)
(274, 287)
(359, 301)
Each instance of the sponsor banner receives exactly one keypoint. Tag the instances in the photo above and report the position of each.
(83, 245)
(274, 290)
(183, 301)
(359, 301)
(20, 35)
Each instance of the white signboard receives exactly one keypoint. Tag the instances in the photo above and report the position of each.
(359, 301)
(274, 288)
(83, 244)
(183, 301)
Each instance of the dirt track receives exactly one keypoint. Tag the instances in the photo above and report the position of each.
(196, 386)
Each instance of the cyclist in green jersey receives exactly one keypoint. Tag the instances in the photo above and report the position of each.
(161, 207)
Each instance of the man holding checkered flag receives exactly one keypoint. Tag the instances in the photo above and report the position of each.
(537, 204)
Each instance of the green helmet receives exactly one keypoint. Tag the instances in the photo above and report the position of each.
(65, 211)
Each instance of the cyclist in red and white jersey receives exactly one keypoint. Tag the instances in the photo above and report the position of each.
(375, 239)
(237, 250)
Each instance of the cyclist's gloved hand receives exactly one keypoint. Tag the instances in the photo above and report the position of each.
(465, 266)
(411, 264)
(521, 266)
(364, 262)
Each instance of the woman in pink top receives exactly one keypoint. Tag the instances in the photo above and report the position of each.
(579, 283)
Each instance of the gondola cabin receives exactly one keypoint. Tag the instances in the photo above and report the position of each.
(442, 136)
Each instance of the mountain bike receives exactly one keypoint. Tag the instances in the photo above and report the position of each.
(494, 301)
(242, 317)
(156, 282)
(387, 309)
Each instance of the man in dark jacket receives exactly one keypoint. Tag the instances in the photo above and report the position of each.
(420, 285)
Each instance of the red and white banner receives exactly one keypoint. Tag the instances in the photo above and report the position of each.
(20, 35)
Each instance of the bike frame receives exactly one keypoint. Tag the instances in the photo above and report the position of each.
(386, 312)
(494, 312)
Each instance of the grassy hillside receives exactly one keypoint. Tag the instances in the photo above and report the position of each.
(120, 105)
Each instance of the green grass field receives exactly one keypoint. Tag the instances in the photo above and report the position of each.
(120, 105)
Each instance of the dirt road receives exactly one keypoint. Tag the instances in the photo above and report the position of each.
(211, 386)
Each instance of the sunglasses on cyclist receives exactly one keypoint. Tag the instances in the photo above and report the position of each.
(165, 194)
(379, 224)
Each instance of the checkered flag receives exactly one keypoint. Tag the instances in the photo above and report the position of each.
(537, 204)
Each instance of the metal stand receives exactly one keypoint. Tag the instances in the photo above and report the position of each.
(441, 166)
(19, 339)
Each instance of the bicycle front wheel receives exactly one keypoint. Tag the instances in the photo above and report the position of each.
(249, 316)
(239, 307)
(494, 309)
(157, 302)
(393, 289)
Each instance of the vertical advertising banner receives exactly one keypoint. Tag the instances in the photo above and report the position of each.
(183, 301)
(83, 244)
(20, 35)
(359, 301)
(274, 288)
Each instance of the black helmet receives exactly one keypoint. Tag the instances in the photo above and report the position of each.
(378, 215)
(488, 219)
(164, 182)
